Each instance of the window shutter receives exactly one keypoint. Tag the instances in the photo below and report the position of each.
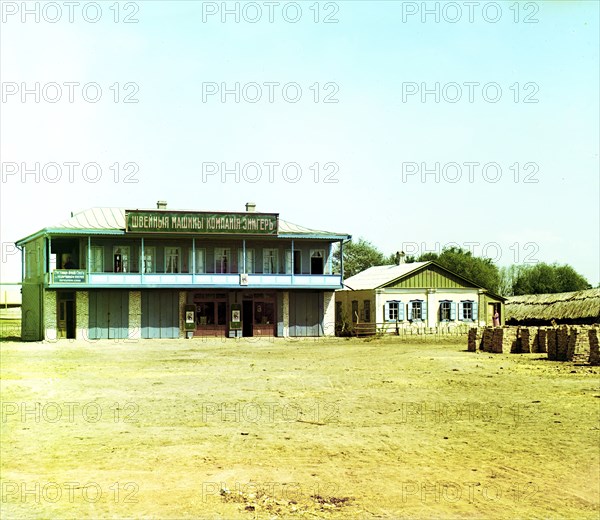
(386, 311)
(452, 311)
(460, 311)
(475, 312)
(424, 311)
(410, 310)
(400, 311)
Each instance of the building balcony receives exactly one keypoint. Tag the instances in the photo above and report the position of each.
(79, 279)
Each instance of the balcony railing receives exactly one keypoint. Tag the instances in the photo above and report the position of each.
(81, 279)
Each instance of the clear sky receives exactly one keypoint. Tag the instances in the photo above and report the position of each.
(491, 91)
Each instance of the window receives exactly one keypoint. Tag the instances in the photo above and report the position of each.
(249, 261)
(392, 311)
(172, 259)
(367, 310)
(417, 310)
(317, 261)
(121, 259)
(200, 261)
(97, 259)
(467, 310)
(338, 312)
(264, 313)
(222, 258)
(149, 260)
(447, 310)
(270, 261)
(205, 313)
(354, 311)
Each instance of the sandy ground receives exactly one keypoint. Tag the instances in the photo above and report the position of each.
(295, 429)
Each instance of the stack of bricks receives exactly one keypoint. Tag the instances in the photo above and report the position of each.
(509, 340)
(497, 335)
(567, 343)
(594, 358)
(523, 340)
(534, 336)
(473, 337)
(562, 343)
(487, 339)
(575, 336)
(551, 344)
(542, 342)
(585, 345)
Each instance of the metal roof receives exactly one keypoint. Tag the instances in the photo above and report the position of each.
(379, 275)
(111, 221)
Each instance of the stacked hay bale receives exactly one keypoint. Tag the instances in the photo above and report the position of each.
(551, 343)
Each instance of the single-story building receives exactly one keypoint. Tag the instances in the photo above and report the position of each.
(419, 294)
(570, 308)
(158, 273)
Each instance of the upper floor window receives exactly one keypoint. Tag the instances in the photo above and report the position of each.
(121, 259)
(317, 261)
(148, 259)
(270, 261)
(249, 264)
(172, 259)
(97, 259)
(222, 259)
(200, 261)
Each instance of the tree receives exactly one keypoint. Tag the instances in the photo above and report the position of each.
(358, 256)
(542, 278)
(482, 271)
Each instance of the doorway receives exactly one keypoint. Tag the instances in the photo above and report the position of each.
(65, 316)
(317, 261)
(297, 262)
(247, 316)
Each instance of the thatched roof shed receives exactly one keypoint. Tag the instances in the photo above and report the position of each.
(569, 307)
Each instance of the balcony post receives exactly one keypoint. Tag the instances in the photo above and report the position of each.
(89, 256)
(142, 261)
(193, 260)
(244, 255)
(292, 263)
(342, 260)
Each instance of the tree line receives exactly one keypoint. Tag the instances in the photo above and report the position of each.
(515, 280)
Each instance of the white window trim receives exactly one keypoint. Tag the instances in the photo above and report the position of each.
(178, 249)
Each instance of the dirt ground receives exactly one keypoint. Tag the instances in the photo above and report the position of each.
(338, 428)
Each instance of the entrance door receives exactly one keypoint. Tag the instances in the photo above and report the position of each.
(160, 314)
(65, 317)
(109, 314)
(247, 316)
(317, 259)
(306, 314)
(297, 262)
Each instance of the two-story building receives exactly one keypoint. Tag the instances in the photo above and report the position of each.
(119, 273)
